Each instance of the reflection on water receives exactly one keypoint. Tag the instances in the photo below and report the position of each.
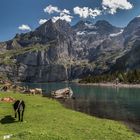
(105, 102)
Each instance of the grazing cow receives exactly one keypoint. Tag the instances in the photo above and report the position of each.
(19, 107)
(9, 85)
(35, 91)
(4, 88)
(1, 81)
(32, 91)
(38, 91)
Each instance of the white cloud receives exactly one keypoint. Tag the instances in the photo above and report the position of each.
(54, 19)
(54, 9)
(65, 11)
(86, 12)
(24, 27)
(51, 9)
(65, 17)
(62, 16)
(42, 21)
(112, 5)
(82, 12)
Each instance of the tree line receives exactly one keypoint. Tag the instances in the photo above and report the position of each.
(130, 77)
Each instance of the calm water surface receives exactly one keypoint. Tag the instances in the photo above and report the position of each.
(106, 102)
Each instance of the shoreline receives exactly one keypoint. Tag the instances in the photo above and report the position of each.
(119, 85)
(108, 84)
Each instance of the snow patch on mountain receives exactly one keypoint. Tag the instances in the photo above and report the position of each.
(81, 33)
(90, 26)
(116, 34)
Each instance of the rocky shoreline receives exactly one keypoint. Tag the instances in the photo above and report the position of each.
(119, 85)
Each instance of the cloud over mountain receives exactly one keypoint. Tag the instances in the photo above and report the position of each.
(24, 27)
(86, 12)
(112, 6)
(54, 9)
(42, 21)
(107, 6)
(63, 14)
(51, 9)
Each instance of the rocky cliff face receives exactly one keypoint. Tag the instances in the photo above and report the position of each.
(58, 51)
(131, 58)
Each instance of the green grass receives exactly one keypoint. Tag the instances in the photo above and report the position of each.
(47, 119)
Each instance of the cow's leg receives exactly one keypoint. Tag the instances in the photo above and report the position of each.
(15, 114)
(18, 115)
(22, 115)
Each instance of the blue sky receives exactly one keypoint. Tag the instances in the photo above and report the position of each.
(18, 16)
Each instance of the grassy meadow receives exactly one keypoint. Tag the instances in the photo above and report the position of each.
(47, 119)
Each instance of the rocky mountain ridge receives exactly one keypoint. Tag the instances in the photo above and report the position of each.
(58, 51)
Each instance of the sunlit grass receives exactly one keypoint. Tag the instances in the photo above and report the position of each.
(46, 119)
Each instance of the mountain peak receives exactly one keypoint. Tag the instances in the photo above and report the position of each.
(102, 23)
(132, 27)
(104, 27)
(47, 22)
(84, 21)
(138, 16)
(83, 25)
(136, 19)
(62, 24)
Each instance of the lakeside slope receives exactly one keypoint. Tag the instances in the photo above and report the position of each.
(48, 119)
